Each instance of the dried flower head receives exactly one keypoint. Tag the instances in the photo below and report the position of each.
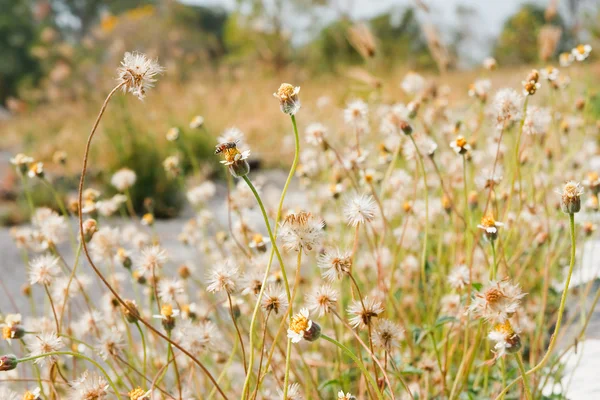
(387, 335)
(138, 73)
(274, 300)
(571, 197)
(334, 264)
(45, 342)
(359, 209)
(43, 269)
(499, 301)
(362, 316)
(223, 277)
(288, 98)
(301, 231)
(322, 300)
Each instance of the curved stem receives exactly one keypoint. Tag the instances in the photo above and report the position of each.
(561, 310)
(237, 329)
(77, 355)
(358, 363)
(144, 349)
(523, 375)
(426, 231)
(273, 249)
(95, 268)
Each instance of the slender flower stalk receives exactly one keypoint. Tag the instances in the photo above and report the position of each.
(273, 249)
(76, 355)
(561, 310)
(358, 363)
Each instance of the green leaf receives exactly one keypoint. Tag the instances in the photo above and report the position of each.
(444, 320)
(477, 286)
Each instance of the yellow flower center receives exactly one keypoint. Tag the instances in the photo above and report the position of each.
(493, 295)
(28, 396)
(6, 332)
(285, 91)
(581, 49)
(592, 176)
(166, 310)
(488, 221)
(136, 393)
(505, 328)
(461, 141)
(299, 323)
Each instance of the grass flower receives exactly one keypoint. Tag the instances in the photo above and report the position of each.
(322, 300)
(288, 98)
(359, 209)
(361, 316)
(301, 231)
(303, 328)
(581, 52)
(45, 342)
(43, 270)
(571, 197)
(334, 264)
(497, 302)
(123, 179)
(138, 73)
(223, 277)
(505, 338)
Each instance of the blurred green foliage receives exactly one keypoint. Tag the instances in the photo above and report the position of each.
(18, 33)
(518, 41)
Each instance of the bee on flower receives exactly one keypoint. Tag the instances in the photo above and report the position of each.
(581, 52)
(234, 159)
(288, 98)
(301, 327)
(460, 145)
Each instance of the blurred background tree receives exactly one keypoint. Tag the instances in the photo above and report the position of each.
(518, 41)
(18, 33)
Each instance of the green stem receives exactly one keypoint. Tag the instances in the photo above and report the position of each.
(357, 361)
(273, 250)
(77, 355)
(283, 273)
(426, 231)
(523, 375)
(144, 349)
(288, 351)
(561, 310)
(494, 271)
